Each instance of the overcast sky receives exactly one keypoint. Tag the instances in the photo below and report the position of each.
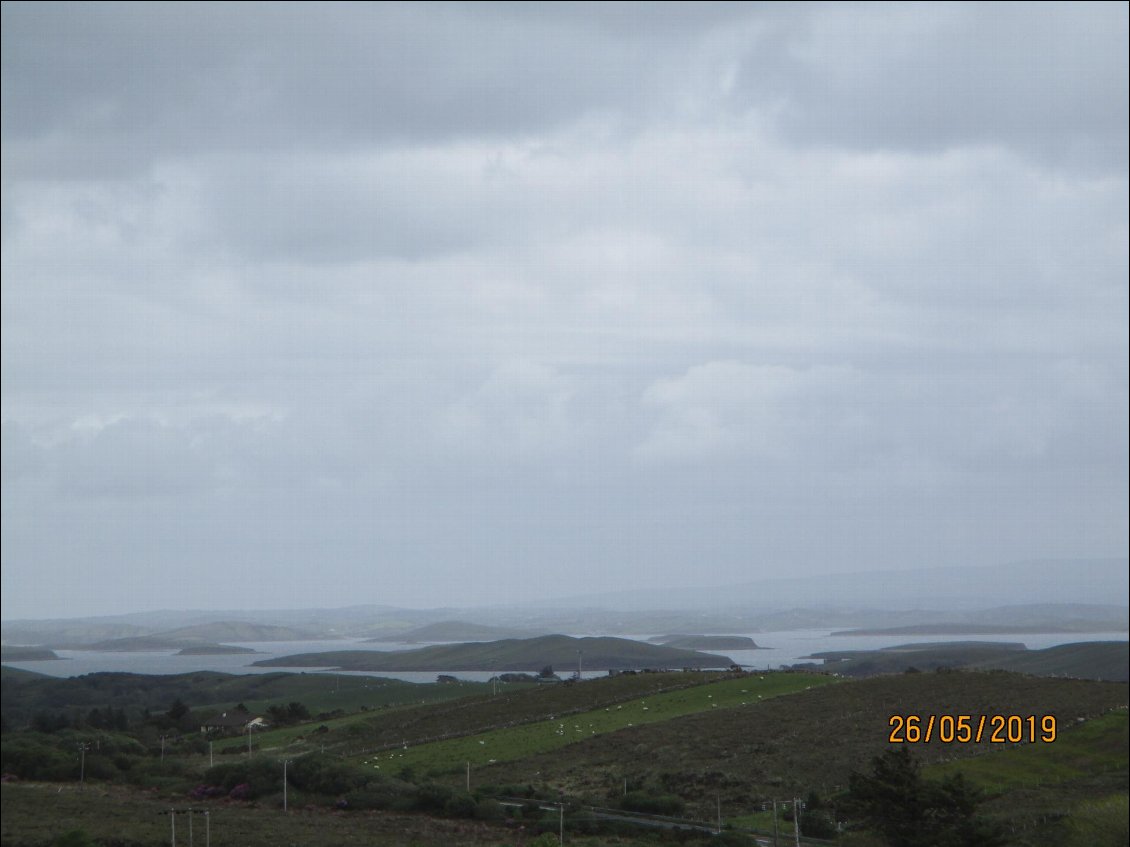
(446, 304)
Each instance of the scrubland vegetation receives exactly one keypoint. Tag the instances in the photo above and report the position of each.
(631, 759)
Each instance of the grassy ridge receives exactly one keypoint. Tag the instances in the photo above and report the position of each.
(1106, 660)
(25, 693)
(792, 744)
(1084, 749)
(513, 704)
(504, 745)
(1088, 660)
(1044, 790)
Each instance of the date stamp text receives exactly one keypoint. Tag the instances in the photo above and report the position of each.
(972, 729)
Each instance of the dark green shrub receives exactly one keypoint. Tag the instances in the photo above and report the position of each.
(261, 776)
(383, 794)
(320, 774)
(432, 797)
(489, 810)
(460, 805)
(33, 755)
(74, 838)
(652, 804)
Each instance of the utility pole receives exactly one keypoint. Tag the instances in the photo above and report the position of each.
(190, 828)
(718, 799)
(468, 777)
(173, 824)
(796, 820)
(775, 833)
(561, 822)
(285, 763)
(210, 762)
(82, 764)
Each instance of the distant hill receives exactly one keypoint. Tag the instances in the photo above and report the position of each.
(957, 629)
(707, 642)
(238, 631)
(1100, 660)
(527, 654)
(1105, 660)
(447, 631)
(80, 631)
(19, 675)
(1031, 618)
(136, 644)
(201, 638)
(9, 653)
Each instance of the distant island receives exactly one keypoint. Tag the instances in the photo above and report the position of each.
(12, 653)
(707, 642)
(213, 650)
(561, 652)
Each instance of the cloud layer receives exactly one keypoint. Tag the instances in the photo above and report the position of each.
(443, 304)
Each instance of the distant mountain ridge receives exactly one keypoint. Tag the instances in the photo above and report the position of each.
(445, 631)
(1041, 596)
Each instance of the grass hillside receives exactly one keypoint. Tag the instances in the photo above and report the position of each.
(1108, 660)
(792, 744)
(1044, 790)
(507, 705)
(513, 654)
(35, 815)
(25, 694)
(714, 741)
(554, 732)
(1103, 660)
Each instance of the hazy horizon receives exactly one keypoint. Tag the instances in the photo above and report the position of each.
(448, 306)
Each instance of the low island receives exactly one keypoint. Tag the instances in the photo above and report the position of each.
(512, 654)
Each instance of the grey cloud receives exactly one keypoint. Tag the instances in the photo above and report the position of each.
(137, 82)
(392, 294)
(1049, 79)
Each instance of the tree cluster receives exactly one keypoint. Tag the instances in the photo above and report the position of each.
(895, 801)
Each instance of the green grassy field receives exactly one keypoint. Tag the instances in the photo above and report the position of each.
(789, 745)
(1048, 788)
(1081, 750)
(504, 745)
